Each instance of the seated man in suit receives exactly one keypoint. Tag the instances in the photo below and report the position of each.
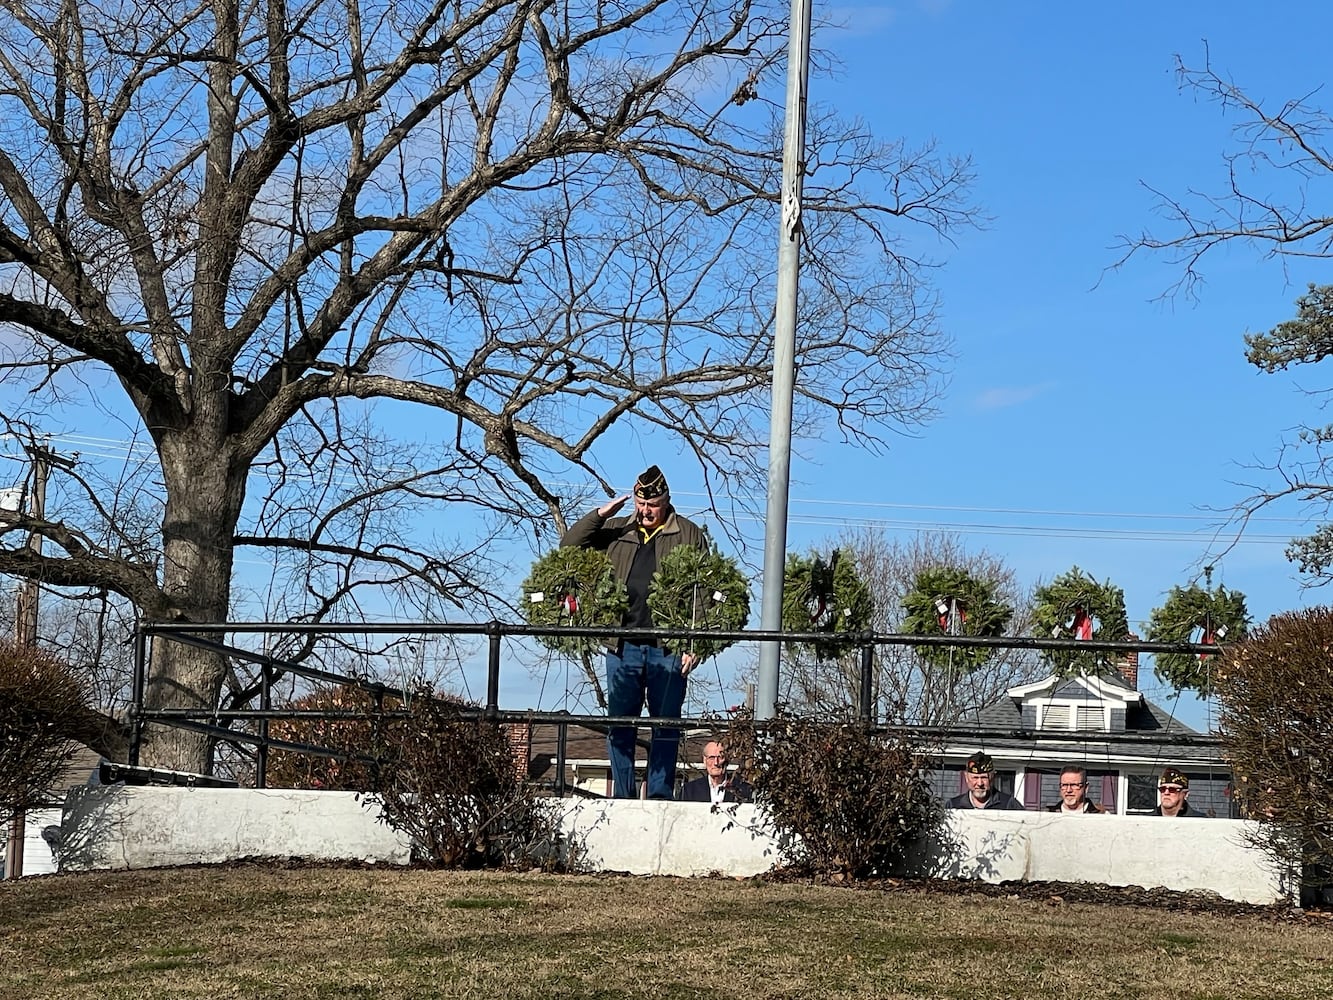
(716, 785)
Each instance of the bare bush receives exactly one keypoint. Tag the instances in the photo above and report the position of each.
(844, 799)
(451, 782)
(42, 706)
(1276, 692)
(352, 737)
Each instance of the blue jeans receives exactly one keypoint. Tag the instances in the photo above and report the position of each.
(636, 672)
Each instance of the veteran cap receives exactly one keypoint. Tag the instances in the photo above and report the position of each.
(651, 484)
(980, 763)
(1173, 776)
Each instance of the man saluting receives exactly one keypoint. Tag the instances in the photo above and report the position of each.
(639, 668)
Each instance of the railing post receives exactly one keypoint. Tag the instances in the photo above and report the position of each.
(561, 737)
(867, 681)
(493, 672)
(138, 683)
(265, 703)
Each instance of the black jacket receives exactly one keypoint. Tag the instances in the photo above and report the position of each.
(998, 800)
(696, 790)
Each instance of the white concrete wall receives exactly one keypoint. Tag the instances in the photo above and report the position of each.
(1212, 855)
(38, 858)
(670, 838)
(126, 826)
(137, 827)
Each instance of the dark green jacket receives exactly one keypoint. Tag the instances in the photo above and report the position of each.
(618, 537)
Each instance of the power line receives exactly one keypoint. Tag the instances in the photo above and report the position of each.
(1210, 530)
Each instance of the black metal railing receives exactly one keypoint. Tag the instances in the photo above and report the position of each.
(209, 721)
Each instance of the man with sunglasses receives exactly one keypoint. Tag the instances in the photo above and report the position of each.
(1074, 792)
(1174, 792)
(640, 669)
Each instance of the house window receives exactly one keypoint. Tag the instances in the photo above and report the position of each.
(1141, 793)
(1055, 717)
(1090, 717)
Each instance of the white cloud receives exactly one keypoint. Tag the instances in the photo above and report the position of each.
(866, 19)
(1002, 397)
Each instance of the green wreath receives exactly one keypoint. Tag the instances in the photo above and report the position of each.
(1218, 614)
(573, 586)
(947, 600)
(819, 596)
(698, 589)
(1066, 601)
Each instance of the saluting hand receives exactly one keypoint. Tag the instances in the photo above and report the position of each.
(612, 507)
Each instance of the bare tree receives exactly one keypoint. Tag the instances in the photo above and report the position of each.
(906, 686)
(1271, 202)
(258, 235)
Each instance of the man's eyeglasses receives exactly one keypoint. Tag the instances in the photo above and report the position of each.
(1175, 789)
(715, 756)
(1070, 785)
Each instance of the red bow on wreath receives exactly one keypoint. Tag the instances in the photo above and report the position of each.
(1082, 624)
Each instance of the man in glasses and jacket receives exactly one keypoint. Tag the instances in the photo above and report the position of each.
(1074, 792)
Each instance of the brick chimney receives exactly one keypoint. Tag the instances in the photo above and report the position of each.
(1129, 665)
(519, 737)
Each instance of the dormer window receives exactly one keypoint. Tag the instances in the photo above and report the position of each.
(1071, 715)
(1076, 704)
(1055, 717)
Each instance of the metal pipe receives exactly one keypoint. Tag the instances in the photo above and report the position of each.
(495, 630)
(867, 683)
(561, 746)
(265, 704)
(138, 684)
(784, 355)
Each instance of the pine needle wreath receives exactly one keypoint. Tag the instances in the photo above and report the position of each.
(573, 586)
(1213, 614)
(974, 609)
(819, 596)
(1064, 603)
(698, 589)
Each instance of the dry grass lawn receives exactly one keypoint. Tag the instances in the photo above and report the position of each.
(257, 931)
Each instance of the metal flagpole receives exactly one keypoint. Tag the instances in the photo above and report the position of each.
(784, 355)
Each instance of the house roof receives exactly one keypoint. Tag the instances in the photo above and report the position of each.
(1152, 733)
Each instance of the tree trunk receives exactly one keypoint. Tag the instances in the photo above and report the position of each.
(205, 490)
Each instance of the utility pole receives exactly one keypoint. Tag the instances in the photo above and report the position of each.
(26, 617)
(784, 355)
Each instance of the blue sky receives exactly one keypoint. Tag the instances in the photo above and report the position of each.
(1088, 421)
(1114, 418)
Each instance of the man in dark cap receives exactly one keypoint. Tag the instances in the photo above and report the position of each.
(1174, 792)
(979, 772)
(640, 669)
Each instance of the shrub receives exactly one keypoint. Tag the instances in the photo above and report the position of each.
(843, 798)
(41, 703)
(353, 737)
(450, 781)
(1276, 692)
